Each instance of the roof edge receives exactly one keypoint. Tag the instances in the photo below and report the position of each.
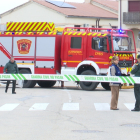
(50, 8)
(105, 7)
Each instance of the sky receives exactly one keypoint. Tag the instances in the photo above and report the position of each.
(6, 5)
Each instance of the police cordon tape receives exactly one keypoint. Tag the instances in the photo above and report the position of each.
(84, 78)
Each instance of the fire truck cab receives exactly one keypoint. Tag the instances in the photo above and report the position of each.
(88, 51)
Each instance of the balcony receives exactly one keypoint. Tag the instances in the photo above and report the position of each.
(131, 17)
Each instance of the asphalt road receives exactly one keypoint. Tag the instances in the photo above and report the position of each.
(67, 114)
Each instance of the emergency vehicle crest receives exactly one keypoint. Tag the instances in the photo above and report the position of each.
(24, 46)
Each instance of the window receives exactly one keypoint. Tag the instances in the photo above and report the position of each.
(99, 44)
(122, 44)
(76, 42)
(134, 6)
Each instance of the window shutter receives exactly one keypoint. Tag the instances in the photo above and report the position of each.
(134, 6)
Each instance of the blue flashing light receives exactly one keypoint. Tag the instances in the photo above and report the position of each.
(120, 31)
(13, 33)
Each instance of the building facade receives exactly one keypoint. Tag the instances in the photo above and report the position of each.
(42, 11)
(130, 18)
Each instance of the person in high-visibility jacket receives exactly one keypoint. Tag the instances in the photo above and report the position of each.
(136, 72)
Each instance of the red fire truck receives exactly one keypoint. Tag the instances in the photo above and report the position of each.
(38, 49)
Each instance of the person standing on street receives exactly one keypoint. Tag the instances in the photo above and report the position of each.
(115, 71)
(136, 72)
(11, 68)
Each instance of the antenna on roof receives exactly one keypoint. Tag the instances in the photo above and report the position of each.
(63, 2)
(110, 25)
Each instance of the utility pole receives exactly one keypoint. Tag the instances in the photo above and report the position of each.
(120, 14)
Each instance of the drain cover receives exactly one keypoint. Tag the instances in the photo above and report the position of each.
(86, 131)
(131, 125)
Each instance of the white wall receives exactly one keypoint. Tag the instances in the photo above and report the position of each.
(92, 22)
(134, 27)
(33, 12)
(125, 9)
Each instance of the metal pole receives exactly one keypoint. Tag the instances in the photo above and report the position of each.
(120, 14)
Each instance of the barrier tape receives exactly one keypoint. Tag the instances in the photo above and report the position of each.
(85, 78)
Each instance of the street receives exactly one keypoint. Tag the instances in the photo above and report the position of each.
(66, 114)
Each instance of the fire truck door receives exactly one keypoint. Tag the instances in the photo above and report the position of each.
(98, 51)
(75, 51)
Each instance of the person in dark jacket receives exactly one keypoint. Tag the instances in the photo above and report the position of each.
(136, 72)
(115, 71)
(11, 68)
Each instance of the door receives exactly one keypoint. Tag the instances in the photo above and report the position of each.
(98, 51)
(75, 51)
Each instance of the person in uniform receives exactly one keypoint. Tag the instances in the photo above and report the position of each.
(11, 68)
(136, 72)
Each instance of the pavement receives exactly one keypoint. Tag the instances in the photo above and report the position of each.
(68, 113)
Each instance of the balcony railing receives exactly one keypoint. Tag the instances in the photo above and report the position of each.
(131, 17)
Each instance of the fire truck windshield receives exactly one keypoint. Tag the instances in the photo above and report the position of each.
(122, 43)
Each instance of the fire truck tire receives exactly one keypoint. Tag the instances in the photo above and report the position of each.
(88, 85)
(46, 84)
(27, 83)
(106, 86)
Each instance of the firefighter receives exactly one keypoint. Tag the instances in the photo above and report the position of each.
(11, 68)
(115, 71)
(136, 72)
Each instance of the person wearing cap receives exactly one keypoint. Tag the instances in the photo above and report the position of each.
(136, 72)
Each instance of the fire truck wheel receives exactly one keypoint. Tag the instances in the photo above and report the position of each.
(106, 86)
(88, 85)
(27, 83)
(46, 84)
